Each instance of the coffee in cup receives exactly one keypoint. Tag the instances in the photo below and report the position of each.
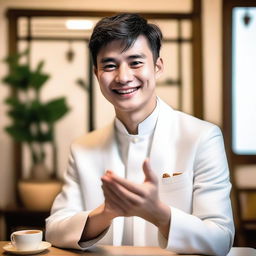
(25, 240)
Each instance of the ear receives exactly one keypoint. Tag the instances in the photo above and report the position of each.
(159, 67)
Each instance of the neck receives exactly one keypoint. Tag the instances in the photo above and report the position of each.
(131, 120)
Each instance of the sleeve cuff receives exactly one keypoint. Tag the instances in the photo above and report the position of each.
(90, 243)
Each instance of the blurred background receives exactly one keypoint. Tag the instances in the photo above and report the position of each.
(49, 96)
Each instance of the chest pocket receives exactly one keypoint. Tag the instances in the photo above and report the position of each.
(177, 191)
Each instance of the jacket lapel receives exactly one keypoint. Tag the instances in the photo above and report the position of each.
(162, 155)
(112, 159)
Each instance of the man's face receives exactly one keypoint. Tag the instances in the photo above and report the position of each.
(127, 78)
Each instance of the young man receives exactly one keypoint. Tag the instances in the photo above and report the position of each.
(155, 176)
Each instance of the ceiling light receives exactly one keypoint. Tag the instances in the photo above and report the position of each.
(79, 24)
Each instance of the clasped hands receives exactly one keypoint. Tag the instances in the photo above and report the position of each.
(126, 198)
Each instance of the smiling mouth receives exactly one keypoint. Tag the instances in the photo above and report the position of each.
(126, 91)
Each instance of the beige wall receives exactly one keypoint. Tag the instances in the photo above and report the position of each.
(211, 51)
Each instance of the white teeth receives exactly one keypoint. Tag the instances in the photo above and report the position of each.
(126, 91)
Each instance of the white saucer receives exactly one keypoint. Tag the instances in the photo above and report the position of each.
(11, 249)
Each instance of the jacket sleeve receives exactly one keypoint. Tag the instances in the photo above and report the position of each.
(209, 229)
(68, 216)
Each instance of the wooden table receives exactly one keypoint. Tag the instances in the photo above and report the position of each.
(124, 251)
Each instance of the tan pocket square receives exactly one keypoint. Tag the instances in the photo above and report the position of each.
(167, 175)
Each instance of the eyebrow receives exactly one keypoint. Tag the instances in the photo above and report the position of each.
(134, 56)
(137, 56)
(107, 59)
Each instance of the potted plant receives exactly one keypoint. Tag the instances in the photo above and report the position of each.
(33, 120)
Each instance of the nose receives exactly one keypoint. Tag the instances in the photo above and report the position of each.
(124, 74)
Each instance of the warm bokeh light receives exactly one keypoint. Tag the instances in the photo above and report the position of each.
(79, 24)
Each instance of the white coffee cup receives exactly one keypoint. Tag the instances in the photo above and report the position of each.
(26, 240)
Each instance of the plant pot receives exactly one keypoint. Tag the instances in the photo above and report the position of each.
(38, 196)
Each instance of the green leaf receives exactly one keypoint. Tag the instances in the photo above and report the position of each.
(55, 109)
(39, 66)
(25, 114)
(13, 101)
(43, 136)
(19, 113)
(19, 77)
(14, 59)
(37, 80)
(19, 134)
(33, 112)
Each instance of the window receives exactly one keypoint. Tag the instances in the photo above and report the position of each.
(244, 81)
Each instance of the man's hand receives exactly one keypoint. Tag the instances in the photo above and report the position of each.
(125, 198)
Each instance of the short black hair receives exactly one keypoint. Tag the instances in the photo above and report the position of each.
(125, 27)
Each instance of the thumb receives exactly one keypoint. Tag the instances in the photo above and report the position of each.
(149, 174)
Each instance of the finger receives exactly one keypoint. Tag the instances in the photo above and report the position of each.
(148, 172)
(113, 201)
(114, 193)
(126, 196)
(128, 185)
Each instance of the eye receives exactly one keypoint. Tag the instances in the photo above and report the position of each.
(109, 67)
(136, 64)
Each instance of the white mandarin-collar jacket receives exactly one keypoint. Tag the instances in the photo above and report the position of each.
(199, 198)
